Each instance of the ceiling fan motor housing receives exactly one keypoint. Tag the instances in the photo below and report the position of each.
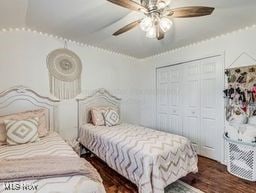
(150, 4)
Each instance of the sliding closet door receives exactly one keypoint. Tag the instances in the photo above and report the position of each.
(211, 107)
(175, 99)
(162, 99)
(191, 100)
(190, 103)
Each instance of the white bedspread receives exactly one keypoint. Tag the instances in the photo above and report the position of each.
(50, 145)
(151, 159)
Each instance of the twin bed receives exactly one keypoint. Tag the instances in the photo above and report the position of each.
(149, 158)
(20, 99)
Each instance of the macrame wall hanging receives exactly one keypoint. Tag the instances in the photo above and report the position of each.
(65, 69)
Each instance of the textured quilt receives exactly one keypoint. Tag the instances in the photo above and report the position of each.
(51, 145)
(151, 159)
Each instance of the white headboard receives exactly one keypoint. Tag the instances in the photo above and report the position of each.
(101, 98)
(19, 99)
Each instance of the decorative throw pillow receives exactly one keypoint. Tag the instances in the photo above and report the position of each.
(43, 127)
(21, 131)
(111, 118)
(98, 115)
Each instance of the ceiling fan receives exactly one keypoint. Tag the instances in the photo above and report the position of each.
(158, 15)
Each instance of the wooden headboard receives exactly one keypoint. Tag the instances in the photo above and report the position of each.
(101, 98)
(19, 99)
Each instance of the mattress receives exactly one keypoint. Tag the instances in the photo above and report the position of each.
(52, 144)
(151, 159)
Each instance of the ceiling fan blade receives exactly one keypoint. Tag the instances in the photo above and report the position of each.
(127, 27)
(129, 5)
(160, 33)
(193, 11)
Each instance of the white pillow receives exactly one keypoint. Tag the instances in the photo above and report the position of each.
(111, 118)
(238, 119)
(252, 120)
(21, 131)
(232, 132)
(249, 134)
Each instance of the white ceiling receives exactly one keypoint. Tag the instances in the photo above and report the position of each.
(93, 22)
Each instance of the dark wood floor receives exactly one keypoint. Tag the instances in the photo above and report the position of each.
(211, 178)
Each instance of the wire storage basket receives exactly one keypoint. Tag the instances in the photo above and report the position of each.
(241, 158)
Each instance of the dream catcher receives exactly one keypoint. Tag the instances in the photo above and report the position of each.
(65, 69)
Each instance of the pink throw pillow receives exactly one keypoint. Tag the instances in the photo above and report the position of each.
(98, 115)
(43, 127)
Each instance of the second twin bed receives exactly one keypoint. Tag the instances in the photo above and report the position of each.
(149, 158)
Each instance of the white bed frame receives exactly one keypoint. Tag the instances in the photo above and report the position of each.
(20, 98)
(101, 98)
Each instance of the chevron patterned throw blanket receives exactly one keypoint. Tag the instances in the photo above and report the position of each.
(42, 167)
(151, 159)
(50, 146)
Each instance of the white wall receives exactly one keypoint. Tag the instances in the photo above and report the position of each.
(23, 62)
(231, 45)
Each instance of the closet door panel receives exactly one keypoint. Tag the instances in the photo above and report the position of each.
(191, 130)
(162, 121)
(162, 99)
(175, 109)
(175, 116)
(210, 105)
(174, 94)
(175, 73)
(162, 75)
(175, 86)
(175, 124)
(191, 103)
(192, 93)
(208, 138)
(162, 88)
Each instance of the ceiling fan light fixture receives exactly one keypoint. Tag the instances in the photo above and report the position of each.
(158, 15)
(164, 3)
(151, 33)
(165, 24)
(146, 24)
